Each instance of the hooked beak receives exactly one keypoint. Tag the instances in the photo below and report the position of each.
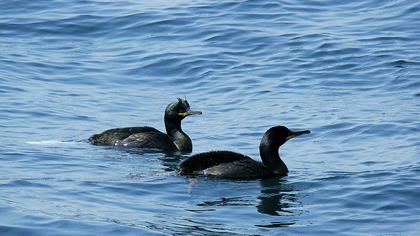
(297, 133)
(189, 113)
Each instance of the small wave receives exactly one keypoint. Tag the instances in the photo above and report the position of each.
(50, 142)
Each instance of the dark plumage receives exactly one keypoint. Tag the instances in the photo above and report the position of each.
(231, 165)
(147, 137)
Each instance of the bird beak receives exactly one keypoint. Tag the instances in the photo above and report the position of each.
(189, 113)
(297, 133)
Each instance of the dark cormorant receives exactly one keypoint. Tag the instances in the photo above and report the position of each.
(147, 137)
(231, 165)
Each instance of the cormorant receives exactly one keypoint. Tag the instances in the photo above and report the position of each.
(232, 165)
(148, 137)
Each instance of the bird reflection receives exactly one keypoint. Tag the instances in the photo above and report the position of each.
(277, 200)
(169, 160)
(276, 197)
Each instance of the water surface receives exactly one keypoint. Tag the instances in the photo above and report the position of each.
(348, 71)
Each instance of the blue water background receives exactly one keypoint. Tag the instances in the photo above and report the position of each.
(347, 70)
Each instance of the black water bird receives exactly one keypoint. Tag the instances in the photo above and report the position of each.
(175, 138)
(232, 165)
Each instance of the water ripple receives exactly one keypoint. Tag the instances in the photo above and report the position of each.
(348, 71)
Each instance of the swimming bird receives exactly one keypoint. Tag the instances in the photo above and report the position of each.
(232, 165)
(175, 138)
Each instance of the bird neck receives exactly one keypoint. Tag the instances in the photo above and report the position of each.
(174, 131)
(271, 159)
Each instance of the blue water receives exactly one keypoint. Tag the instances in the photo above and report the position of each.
(349, 71)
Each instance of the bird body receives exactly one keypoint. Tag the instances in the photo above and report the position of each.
(228, 164)
(153, 140)
(109, 137)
